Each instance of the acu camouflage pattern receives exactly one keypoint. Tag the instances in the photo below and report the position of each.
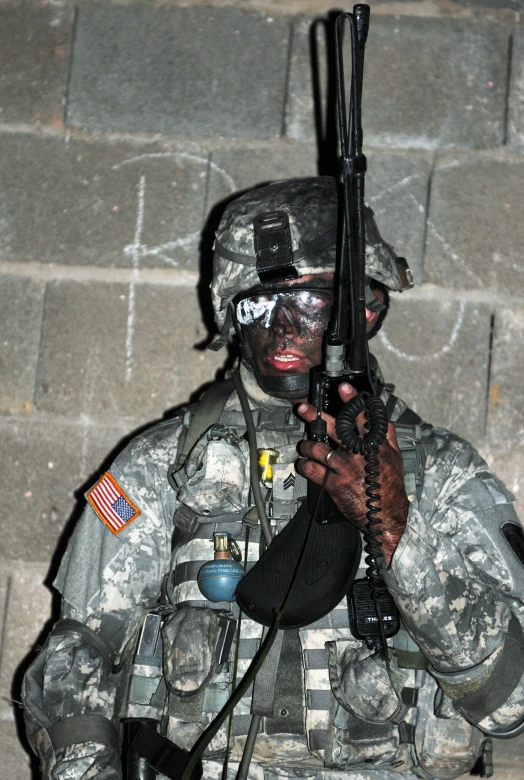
(312, 206)
(454, 577)
(71, 677)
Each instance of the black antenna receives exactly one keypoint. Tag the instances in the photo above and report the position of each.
(352, 246)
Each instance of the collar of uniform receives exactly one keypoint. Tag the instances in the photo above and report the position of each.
(258, 398)
(255, 393)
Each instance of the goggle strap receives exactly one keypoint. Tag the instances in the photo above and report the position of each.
(222, 339)
(372, 303)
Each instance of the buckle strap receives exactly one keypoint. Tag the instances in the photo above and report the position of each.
(406, 733)
(409, 696)
(163, 755)
(83, 728)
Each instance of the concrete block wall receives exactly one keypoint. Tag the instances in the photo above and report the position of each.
(124, 126)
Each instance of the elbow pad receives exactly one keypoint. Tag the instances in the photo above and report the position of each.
(480, 691)
(68, 696)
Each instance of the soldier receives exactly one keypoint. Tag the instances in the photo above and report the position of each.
(452, 561)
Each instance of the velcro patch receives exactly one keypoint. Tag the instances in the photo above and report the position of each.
(111, 504)
(284, 479)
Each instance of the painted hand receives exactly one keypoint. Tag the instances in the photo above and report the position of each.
(345, 482)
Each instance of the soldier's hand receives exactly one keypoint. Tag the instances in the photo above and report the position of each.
(345, 482)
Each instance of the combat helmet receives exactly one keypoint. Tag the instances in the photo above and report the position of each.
(311, 206)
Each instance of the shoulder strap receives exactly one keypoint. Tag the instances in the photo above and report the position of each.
(407, 417)
(207, 413)
(409, 428)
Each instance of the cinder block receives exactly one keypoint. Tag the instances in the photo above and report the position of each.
(506, 393)
(396, 190)
(512, 5)
(233, 170)
(15, 761)
(308, 53)
(191, 71)
(47, 466)
(509, 466)
(4, 590)
(120, 350)
(20, 321)
(28, 608)
(437, 354)
(100, 203)
(34, 59)
(516, 96)
(428, 83)
(41, 470)
(475, 227)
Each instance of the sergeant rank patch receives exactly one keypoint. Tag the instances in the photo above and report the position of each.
(111, 504)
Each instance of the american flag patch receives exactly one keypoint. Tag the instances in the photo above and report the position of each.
(111, 504)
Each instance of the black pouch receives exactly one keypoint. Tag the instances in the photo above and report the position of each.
(328, 569)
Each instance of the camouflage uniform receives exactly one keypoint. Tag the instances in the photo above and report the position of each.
(454, 576)
(457, 581)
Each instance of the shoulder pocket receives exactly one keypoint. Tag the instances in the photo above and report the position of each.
(213, 480)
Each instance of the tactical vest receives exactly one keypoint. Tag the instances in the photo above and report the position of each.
(308, 727)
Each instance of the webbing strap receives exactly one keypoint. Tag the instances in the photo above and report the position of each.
(206, 414)
(142, 689)
(328, 238)
(263, 701)
(406, 733)
(407, 417)
(83, 728)
(67, 626)
(163, 755)
(499, 686)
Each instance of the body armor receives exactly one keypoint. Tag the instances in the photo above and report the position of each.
(322, 666)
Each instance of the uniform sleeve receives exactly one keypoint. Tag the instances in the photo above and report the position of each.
(458, 584)
(106, 581)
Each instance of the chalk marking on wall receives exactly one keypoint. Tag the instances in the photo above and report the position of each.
(135, 259)
(229, 179)
(159, 156)
(130, 330)
(136, 250)
(448, 346)
(159, 251)
(452, 254)
(420, 207)
(379, 212)
(398, 185)
(184, 156)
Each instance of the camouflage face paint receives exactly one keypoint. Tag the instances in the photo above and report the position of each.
(285, 329)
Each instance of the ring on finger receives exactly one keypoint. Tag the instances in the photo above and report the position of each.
(330, 453)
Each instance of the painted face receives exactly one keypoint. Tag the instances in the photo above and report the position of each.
(285, 329)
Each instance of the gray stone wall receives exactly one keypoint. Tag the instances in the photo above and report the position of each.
(123, 125)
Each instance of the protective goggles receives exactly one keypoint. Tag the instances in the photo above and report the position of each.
(302, 307)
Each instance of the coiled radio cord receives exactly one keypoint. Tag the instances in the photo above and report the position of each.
(376, 427)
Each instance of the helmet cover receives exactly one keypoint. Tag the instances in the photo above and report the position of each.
(312, 207)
